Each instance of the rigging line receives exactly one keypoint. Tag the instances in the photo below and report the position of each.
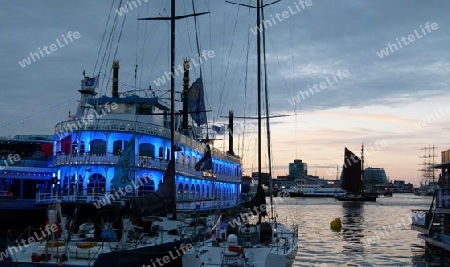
(246, 79)
(136, 56)
(108, 48)
(188, 26)
(224, 94)
(35, 114)
(197, 34)
(293, 75)
(208, 4)
(109, 43)
(103, 37)
(158, 55)
(278, 61)
(127, 85)
(146, 45)
(120, 35)
(222, 104)
(250, 6)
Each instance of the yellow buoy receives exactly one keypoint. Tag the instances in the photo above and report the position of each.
(336, 224)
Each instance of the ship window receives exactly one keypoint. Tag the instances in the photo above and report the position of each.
(144, 108)
(97, 147)
(197, 192)
(72, 185)
(147, 187)
(192, 195)
(117, 148)
(97, 184)
(147, 150)
(180, 191)
(186, 191)
(65, 186)
(203, 191)
(161, 153)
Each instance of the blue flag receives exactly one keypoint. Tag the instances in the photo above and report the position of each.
(124, 171)
(89, 83)
(196, 100)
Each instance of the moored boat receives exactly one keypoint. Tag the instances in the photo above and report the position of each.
(140, 175)
(432, 224)
(353, 179)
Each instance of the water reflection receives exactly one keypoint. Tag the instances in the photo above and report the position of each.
(352, 226)
(429, 256)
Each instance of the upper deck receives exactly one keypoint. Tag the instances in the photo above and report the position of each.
(127, 126)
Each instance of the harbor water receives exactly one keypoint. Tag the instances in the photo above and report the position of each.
(372, 234)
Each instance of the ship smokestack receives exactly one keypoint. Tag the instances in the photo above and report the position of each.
(115, 81)
(230, 133)
(186, 65)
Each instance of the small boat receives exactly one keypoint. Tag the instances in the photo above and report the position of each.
(431, 223)
(388, 193)
(357, 198)
(353, 179)
(294, 191)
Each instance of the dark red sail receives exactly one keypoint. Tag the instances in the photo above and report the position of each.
(351, 173)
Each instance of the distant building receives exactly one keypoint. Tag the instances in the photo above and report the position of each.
(402, 187)
(375, 176)
(283, 177)
(264, 177)
(298, 169)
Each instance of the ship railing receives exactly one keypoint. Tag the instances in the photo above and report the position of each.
(142, 128)
(200, 205)
(43, 198)
(85, 158)
(286, 240)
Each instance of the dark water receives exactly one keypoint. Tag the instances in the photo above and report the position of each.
(320, 246)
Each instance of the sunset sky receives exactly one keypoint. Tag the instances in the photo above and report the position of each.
(399, 98)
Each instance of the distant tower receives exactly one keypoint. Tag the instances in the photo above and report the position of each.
(298, 169)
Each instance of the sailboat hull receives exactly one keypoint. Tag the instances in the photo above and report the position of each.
(145, 256)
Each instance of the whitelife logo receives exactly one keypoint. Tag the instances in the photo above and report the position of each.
(53, 47)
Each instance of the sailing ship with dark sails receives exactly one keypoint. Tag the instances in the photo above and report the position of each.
(353, 179)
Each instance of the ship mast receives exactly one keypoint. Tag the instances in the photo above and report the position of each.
(362, 168)
(173, 207)
(172, 19)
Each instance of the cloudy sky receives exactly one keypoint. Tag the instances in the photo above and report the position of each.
(395, 102)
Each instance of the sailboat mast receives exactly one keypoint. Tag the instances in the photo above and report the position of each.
(362, 168)
(258, 50)
(172, 101)
(266, 93)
